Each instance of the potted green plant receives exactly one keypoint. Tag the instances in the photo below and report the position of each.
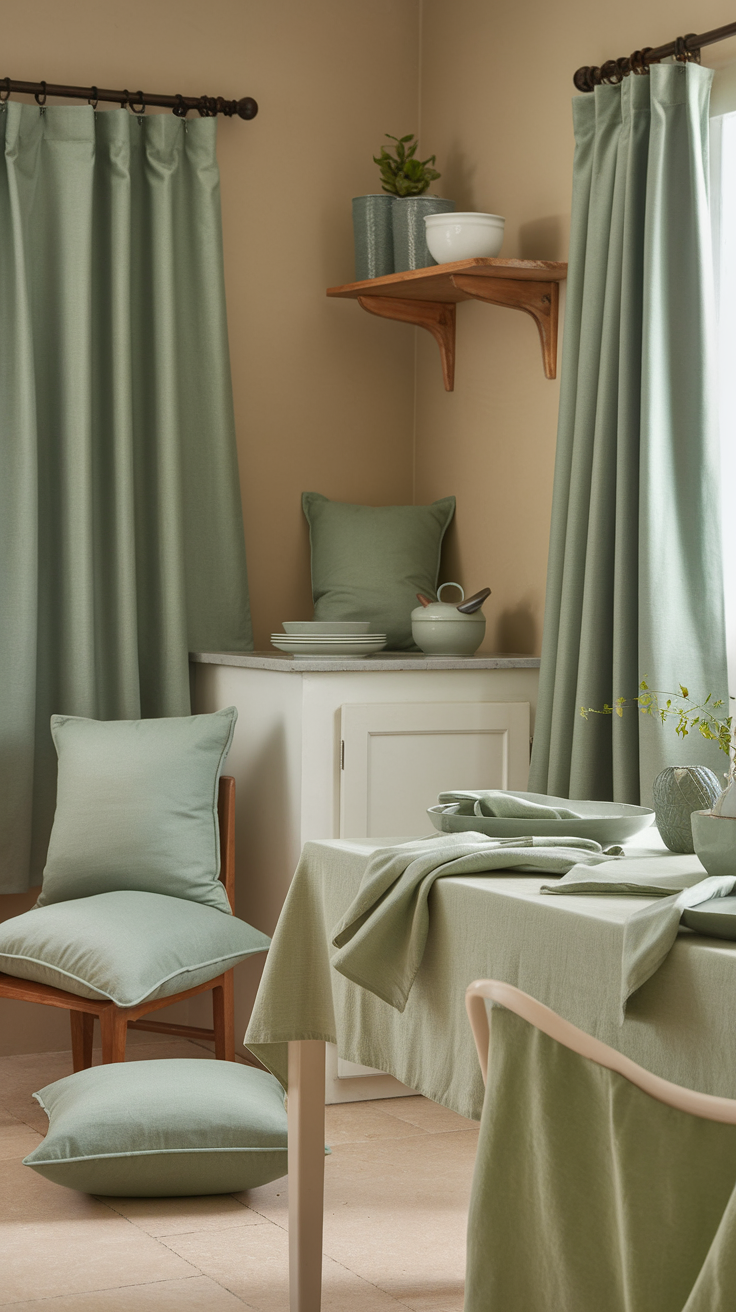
(686, 796)
(389, 227)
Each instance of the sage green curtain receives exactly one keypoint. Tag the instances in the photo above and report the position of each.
(634, 586)
(121, 537)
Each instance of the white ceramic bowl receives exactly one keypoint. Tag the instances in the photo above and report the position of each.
(313, 627)
(463, 236)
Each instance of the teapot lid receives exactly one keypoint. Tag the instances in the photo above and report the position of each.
(446, 610)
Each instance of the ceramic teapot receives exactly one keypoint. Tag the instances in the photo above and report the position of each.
(440, 629)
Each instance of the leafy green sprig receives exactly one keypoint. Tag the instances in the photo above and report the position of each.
(688, 714)
(401, 173)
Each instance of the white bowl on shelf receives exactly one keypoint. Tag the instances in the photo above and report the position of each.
(464, 236)
(313, 627)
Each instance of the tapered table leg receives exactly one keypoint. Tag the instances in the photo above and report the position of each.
(306, 1173)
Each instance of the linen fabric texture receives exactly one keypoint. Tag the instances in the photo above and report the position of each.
(126, 946)
(369, 562)
(635, 580)
(162, 1129)
(681, 887)
(679, 1024)
(383, 934)
(121, 533)
(588, 1193)
(136, 807)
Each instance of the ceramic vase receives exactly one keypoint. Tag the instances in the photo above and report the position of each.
(373, 236)
(677, 792)
(410, 240)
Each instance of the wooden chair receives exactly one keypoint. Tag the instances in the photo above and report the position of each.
(114, 1020)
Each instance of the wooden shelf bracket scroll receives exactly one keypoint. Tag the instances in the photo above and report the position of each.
(438, 317)
(539, 299)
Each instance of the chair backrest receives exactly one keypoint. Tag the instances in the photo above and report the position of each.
(226, 821)
(705, 1105)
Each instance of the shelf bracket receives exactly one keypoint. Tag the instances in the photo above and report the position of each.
(539, 299)
(438, 317)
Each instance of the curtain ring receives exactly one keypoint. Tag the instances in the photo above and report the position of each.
(3, 98)
(610, 73)
(638, 61)
(125, 100)
(40, 96)
(693, 56)
(180, 109)
(137, 98)
(93, 99)
(682, 53)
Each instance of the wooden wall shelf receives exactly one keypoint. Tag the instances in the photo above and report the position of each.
(428, 297)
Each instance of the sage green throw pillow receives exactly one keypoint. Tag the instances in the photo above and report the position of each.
(369, 562)
(136, 807)
(160, 1129)
(125, 946)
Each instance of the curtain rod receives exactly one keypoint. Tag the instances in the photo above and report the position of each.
(683, 48)
(137, 101)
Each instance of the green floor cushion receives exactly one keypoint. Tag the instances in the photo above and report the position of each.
(369, 562)
(159, 1129)
(136, 807)
(125, 946)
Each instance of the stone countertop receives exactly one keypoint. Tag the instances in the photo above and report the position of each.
(385, 660)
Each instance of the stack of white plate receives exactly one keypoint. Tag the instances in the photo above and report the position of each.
(331, 640)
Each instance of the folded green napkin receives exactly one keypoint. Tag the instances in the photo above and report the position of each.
(382, 936)
(678, 882)
(496, 802)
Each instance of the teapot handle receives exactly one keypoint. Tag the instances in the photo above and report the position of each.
(450, 585)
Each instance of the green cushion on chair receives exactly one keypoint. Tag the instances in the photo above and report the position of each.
(136, 807)
(159, 1129)
(125, 946)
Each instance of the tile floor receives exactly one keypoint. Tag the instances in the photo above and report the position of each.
(397, 1188)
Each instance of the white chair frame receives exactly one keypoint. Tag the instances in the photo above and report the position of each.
(705, 1105)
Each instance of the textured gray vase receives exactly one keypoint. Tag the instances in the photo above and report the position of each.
(677, 792)
(410, 242)
(373, 235)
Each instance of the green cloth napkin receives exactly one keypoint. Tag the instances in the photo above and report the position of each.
(678, 882)
(496, 802)
(383, 934)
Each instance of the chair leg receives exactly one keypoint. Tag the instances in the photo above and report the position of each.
(114, 1026)
(223, 1018)
(82, 1025)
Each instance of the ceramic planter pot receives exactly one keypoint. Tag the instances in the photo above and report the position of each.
(677, 792)
(714, 840)
(373, 236)
(440, 629)
(409, 233)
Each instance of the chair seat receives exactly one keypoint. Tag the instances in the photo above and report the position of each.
(129, 947)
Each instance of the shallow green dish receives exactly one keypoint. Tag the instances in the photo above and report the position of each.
(605, 822)
(717, 918)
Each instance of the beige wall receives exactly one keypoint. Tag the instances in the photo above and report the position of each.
(496, 90)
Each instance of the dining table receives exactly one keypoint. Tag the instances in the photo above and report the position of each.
(566, 952)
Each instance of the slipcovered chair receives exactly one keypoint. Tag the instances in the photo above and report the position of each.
(597, 1184)
(136, 909)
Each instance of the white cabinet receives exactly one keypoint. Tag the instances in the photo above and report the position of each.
(411, 727)
(397, 757)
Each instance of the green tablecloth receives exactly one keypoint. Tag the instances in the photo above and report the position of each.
(565, 951)
(589, 1196)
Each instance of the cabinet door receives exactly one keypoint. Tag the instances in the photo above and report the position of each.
(397, 756)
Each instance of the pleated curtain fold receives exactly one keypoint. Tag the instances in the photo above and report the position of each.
(121, 536)
(635, 583)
